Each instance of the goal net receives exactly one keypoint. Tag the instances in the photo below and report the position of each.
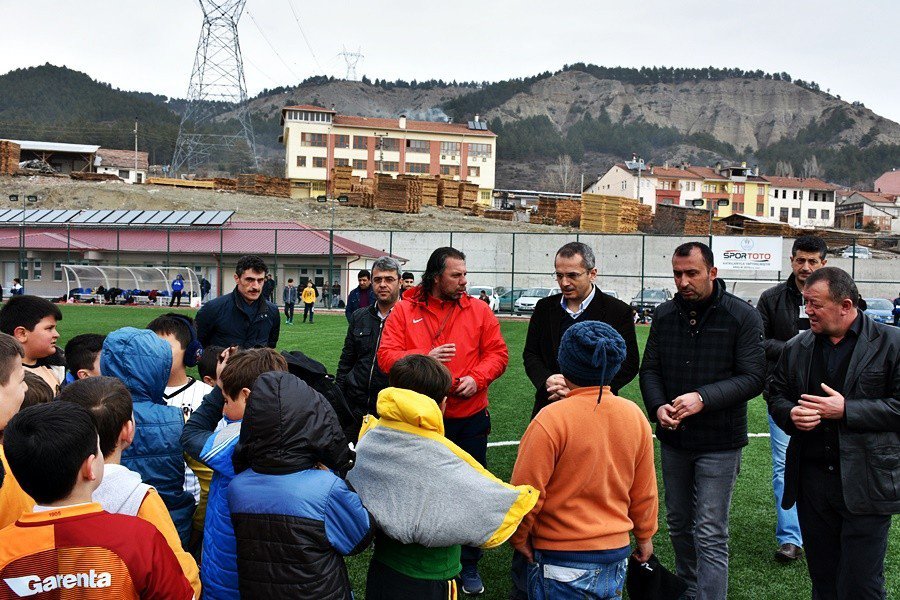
(136, 281)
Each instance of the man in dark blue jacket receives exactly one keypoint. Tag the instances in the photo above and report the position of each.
(242, 318)
(362, 296)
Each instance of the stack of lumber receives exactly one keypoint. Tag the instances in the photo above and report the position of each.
(559, 211)
(609, 214)
(645, 218)
(341, 180)
(468, 195)
(10, 154)
(448, 193)
(758, 228)
(397, 195)
(224, 183)
(499, 214)
(185, 183)
(682, 220)
(362, 193)
(429, 191)
(81, 176)
(260, 185)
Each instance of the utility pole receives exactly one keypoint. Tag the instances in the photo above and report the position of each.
(135, 151)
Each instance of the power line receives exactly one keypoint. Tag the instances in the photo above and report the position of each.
(305, 39)
(249, 14)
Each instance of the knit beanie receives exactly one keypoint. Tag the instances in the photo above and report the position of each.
(591, 353)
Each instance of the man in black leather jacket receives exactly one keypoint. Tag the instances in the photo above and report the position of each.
(358, 375)
(783, 312)
(836, 391)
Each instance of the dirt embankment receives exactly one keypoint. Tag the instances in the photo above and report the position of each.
(58, 192)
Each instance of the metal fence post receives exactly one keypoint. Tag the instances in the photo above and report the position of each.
(391, 243)
(118, 245)
(276, 259)
(512, 275)
(168, 247)
(643, 256)
(853, 259)
(68, 245)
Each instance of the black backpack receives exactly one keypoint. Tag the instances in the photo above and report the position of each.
(316, 376)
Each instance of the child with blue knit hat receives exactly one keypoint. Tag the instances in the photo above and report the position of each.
(590, 455)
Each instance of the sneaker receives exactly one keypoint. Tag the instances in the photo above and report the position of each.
(471, 581)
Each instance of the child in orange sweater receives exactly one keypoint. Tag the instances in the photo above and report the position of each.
(590, 456)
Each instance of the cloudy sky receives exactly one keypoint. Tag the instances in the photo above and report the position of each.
(850, 48)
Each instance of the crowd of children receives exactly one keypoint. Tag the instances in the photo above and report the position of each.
(123, 477)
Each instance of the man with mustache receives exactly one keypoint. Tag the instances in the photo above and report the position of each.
(244, 317)
(783, 313)
(703, 362)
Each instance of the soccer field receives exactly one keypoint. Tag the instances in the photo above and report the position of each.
(754, 574)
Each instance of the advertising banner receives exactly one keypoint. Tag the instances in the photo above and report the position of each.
(747, 253)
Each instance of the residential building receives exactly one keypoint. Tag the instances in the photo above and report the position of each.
(889, 183)
(678, 186)
(621, 180)
(739, 189)
(317, 139)
(802, 202)
(128, 165)
(863, 210)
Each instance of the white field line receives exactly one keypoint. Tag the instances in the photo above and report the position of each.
(516, 442)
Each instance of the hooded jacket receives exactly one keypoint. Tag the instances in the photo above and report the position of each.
(418, 325)
(293, 521)
(142, 361)
(453, 501)
(122, 492)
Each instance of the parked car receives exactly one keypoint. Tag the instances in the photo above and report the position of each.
(856, 252)
(508, 299)
(650, 298)
(475, 292)
(612, 293)
(530, 297)
(880, 310)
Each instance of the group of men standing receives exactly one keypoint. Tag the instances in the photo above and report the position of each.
(828, 372)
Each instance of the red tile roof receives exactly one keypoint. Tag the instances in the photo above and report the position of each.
(876, 197)
(418, 126)
(808, 183)
(236, 238)
(311, 107)
(889, 183)
(708, 173)
(674, 172)
(122, 158)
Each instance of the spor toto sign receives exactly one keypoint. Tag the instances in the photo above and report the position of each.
(747, 253)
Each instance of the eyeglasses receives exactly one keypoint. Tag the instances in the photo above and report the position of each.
(384, 280)
(569, 276)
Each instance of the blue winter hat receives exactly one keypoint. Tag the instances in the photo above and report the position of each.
(591, 353)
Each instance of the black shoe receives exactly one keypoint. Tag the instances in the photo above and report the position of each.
(788, 553)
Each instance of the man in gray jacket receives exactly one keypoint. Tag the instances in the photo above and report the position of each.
(289, 297)
(836, 391)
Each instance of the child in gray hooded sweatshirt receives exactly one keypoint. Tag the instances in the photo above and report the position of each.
(122, 491)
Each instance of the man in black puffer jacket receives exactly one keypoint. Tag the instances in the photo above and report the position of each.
(358, 375)
(293, 519)
(703, 362)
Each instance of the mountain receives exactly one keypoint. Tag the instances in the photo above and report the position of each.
(594, 115)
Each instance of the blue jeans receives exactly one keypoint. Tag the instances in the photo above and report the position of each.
(575, 575)
(787, 526)
(698, 488)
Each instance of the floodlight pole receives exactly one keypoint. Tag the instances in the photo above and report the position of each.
(23, 271)
(332, 199)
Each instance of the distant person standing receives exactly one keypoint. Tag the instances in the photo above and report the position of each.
(268, 291)
(289, 297)
(177, 289)
(896, 307)
(242, 318)
(362, 296)
(484, 297)
(309, 301)
(205, 287)
(703, 362)
(409, 280)
(335, 293)
(17, 288)
(783, 311)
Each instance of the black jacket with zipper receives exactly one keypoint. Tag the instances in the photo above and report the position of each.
(869, 433)
(720, 356)
(779, 307)
(358, 375)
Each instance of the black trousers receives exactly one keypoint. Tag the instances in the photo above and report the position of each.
(176, 299)
(308, 310)
(384, 583)
(470, 434)
(844, 552)
(289, 311)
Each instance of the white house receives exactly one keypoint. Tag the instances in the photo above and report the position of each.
(621, 180)
(127, 164)
(802, 202)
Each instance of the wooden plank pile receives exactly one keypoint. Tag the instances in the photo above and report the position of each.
(10, 154)
(499, 214)
(776, 229)
(397, 195)
(225, 183)
(559, 211)
(448, 193)
(682, 220)
(468, 195)
(184, 183)
(609, 214)
(645, 218)
(261, 185)
(83, 176)
(341, 180)
(429, 191)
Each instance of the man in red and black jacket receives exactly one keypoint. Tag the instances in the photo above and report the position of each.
(438, 318)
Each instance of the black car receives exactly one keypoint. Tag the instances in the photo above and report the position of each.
(650, 298)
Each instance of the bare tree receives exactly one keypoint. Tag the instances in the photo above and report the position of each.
(562, 176)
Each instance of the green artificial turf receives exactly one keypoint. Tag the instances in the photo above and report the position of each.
(754, 574)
